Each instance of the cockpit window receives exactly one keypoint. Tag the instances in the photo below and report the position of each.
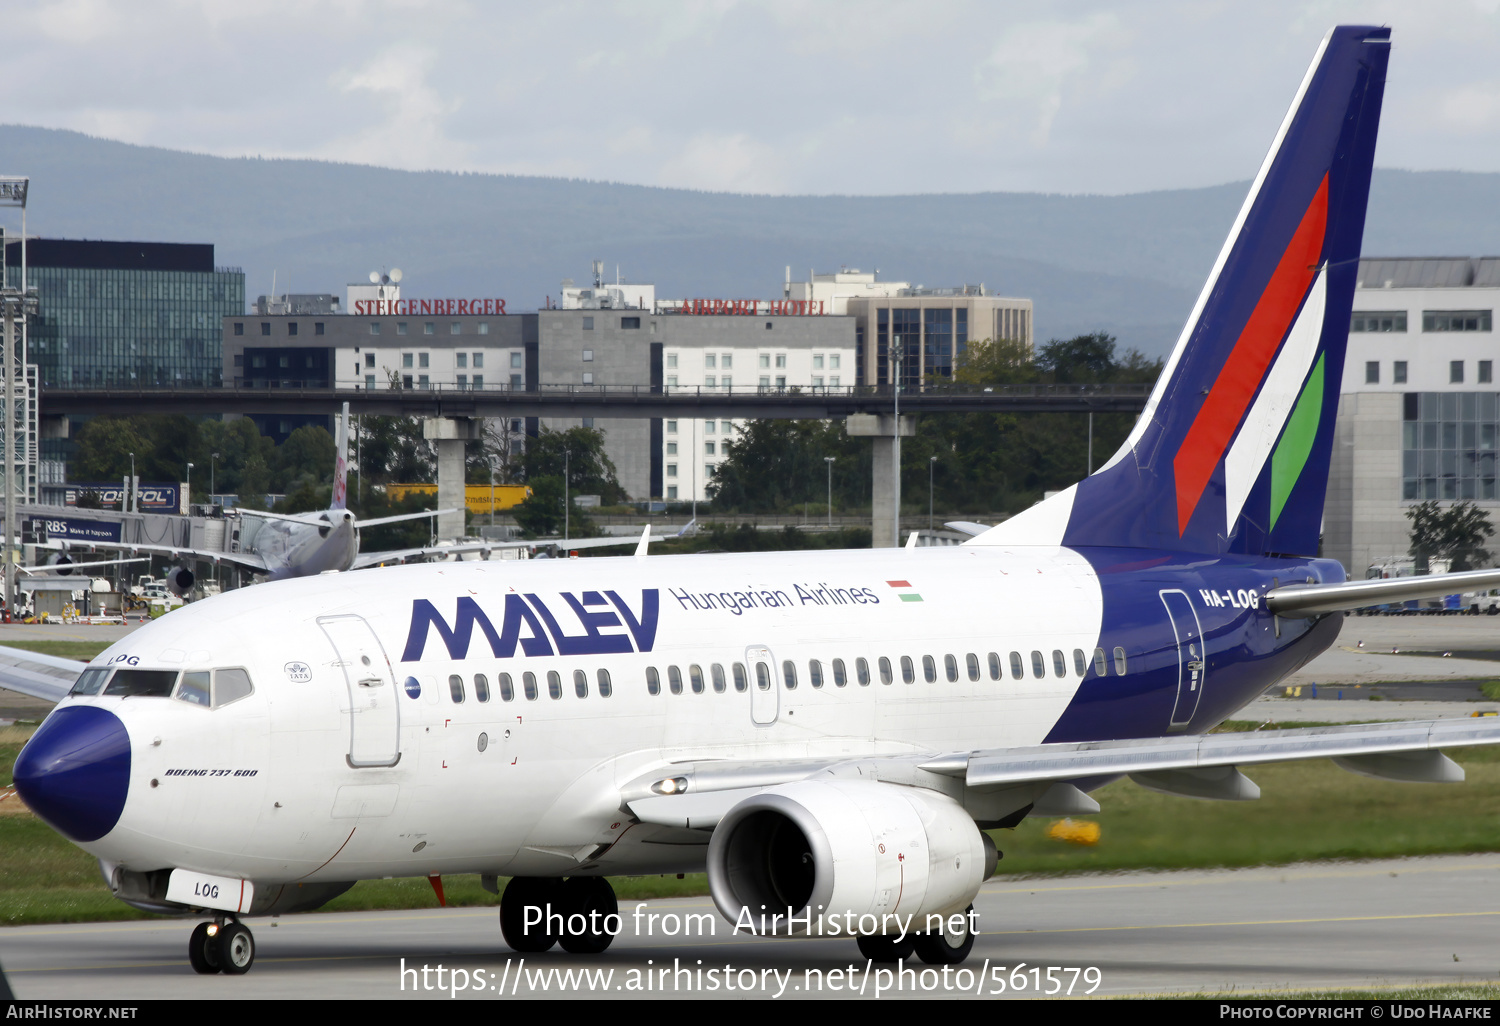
(193, 688)
(231, 686)
(152, 683)
(91, 681)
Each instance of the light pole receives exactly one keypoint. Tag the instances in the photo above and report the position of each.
(190, 487)
(829, 460)
(213, 466)
(931, 463)
(130, 492)
(567, 511)
(896, 438)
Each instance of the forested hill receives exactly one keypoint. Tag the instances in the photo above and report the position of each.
(1129, 265)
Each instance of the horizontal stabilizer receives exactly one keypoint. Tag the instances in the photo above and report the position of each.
(1308, 599)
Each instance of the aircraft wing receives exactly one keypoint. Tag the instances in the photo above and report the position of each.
(1197, 766)
(244, 559)
(40, 676)
(368, 559)
(1312, 599)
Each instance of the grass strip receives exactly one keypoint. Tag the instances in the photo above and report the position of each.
(83, 651)
(1309, 810)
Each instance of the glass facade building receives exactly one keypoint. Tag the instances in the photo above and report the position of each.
(127, 314)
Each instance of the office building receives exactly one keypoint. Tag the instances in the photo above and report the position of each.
(126, 314)
(1419, 408)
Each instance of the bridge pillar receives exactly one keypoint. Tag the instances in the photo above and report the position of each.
(448, 435)
(885, 497)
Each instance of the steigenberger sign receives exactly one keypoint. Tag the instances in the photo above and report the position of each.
(429, 307)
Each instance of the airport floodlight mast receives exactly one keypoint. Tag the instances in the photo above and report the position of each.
(829, 460)
(896, 438)
(931, 465)
(18, 302)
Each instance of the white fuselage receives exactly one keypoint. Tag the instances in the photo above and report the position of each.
(264, 789)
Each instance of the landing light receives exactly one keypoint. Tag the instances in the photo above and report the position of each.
(671, 785)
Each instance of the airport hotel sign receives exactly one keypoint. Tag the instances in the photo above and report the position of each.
(751, 307)
(429, 307)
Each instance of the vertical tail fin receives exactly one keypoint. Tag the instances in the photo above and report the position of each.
(1231, 453)
(341, 461)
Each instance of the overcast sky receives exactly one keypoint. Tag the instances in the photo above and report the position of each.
(770, 96)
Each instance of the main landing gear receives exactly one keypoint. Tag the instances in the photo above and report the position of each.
(942, 947)
(579, 913)
(222, 946)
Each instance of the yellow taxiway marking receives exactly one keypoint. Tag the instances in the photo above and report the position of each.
(1241, 922)
(1171, 879)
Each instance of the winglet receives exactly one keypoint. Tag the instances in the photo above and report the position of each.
(911, 540)
(641, 546)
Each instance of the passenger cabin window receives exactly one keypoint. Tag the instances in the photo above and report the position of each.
(695, 678)
(194, 688)
(1120, 661)
(605, 687)
(1080, 662)
(1059, 664)
(994, 666)
(653, 681)
(840, 678)
(929, 668)
(763, 676)
(908, 671)
(741, 681)
(507, 689)
(580, 684)
(972, 661)
(674, 680)
(1017, 668)
(1100, 668)
(950, 667)
(789, 674)
(1038, 664)
(815, 673)
(481, 688)
(717, 672)
(528, 683)
(885, 670)
(456, 688)
(554, 684)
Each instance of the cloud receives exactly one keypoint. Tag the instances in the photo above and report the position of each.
(406, 115)
(1032, 66)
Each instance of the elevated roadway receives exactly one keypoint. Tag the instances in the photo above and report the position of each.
(599, 401)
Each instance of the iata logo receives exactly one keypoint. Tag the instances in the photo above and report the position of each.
(298, 673)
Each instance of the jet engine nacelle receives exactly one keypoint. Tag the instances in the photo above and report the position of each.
(820, 852)
(180, 581)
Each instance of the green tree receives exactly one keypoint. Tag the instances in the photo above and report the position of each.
(1457, 534)
(779, 464)
(590, 471)
(542, 512)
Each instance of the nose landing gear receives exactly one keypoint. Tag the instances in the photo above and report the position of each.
(222, 946)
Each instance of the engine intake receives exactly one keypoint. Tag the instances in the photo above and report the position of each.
(180, 581)
(824, 856)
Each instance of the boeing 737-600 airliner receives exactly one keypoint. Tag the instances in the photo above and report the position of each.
(828, 735)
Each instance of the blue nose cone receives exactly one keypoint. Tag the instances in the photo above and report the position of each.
(75, 771)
